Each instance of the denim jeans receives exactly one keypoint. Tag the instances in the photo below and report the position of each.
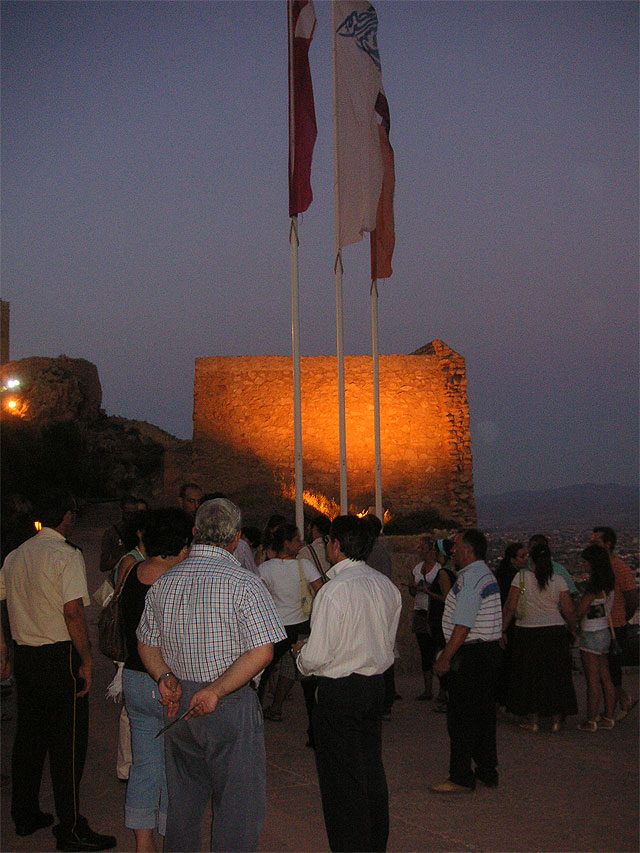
(146, 803)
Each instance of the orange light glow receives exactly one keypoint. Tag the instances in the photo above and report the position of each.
(314, 500)
(15, 406)
(37, 525)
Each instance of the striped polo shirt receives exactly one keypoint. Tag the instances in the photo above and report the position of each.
(474, 601)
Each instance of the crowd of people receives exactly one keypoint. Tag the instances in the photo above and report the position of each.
(220, 623)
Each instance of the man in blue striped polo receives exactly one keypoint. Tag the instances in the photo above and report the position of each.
(472, 627)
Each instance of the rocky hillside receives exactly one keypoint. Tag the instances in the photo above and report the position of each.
(55, 431)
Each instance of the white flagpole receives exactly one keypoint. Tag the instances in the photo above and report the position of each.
(295, 343)
(295, 314)
(376, 395)
(344, 504)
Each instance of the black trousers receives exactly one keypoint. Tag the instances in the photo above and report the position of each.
(280, 649)
(389, 676)
(347, 726)
(471, 713)
(51, 719)
(615, 661)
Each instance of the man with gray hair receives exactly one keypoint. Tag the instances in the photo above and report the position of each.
(207, 630)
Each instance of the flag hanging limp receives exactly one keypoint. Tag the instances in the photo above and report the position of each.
(302, 116)
(383, 239)
(363, 153)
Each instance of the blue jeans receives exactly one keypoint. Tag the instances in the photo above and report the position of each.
(146, 803)
(219, 756)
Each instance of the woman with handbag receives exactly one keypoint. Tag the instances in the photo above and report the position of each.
(166, 538)
(596, 636)
(541, 682)
(292, 583)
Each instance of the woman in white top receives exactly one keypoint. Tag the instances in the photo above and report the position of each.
(429, 585)
(541, 682)
(292, 583)
(595, 637)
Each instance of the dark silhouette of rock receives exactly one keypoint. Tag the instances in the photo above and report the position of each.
(52, 389)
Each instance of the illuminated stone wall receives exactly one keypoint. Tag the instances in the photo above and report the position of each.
(243, 431)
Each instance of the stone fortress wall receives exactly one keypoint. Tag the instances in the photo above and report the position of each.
(243, 431)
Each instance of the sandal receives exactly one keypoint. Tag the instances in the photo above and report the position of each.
(588, 726)
(606, 723)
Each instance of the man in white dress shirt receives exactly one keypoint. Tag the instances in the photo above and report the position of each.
(353, 629)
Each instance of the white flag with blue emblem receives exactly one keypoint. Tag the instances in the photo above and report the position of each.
(358, 81)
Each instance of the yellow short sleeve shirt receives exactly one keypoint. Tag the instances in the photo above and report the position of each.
(37, 580)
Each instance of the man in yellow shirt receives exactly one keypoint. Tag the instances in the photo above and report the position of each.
(44, 583)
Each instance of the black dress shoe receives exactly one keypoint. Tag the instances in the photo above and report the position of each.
(82, 838)
(488, 781)
(32, 824)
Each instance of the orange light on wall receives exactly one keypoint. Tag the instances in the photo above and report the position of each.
(15, 406)
(314, 500)
(37, 525)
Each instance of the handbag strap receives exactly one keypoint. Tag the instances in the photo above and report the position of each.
(521, 582)
(121, 581)
(316, 560)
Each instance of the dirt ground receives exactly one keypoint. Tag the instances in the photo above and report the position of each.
(567, 792)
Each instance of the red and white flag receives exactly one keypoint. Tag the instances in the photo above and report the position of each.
(383, 239)
(302, 116)
(363, 154)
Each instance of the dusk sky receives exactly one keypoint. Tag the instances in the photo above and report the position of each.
(144, 209)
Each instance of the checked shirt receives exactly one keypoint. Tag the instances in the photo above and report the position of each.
(206, 612)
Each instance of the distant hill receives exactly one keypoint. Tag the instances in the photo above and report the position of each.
(585, 505)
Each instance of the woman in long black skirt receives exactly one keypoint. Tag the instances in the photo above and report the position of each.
(541, 684)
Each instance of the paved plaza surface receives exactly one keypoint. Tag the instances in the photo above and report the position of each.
(572, 791)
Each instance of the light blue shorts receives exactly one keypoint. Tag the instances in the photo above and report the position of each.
(596, 642)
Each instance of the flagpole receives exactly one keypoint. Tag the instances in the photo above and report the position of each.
(376, 394)
(294, 242)
(344, 504)
(295, 345)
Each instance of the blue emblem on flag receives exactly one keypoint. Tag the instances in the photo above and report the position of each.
(363, 27)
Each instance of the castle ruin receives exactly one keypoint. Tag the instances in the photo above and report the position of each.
(243, 431)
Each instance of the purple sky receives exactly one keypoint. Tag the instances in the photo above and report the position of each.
(144, 209)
